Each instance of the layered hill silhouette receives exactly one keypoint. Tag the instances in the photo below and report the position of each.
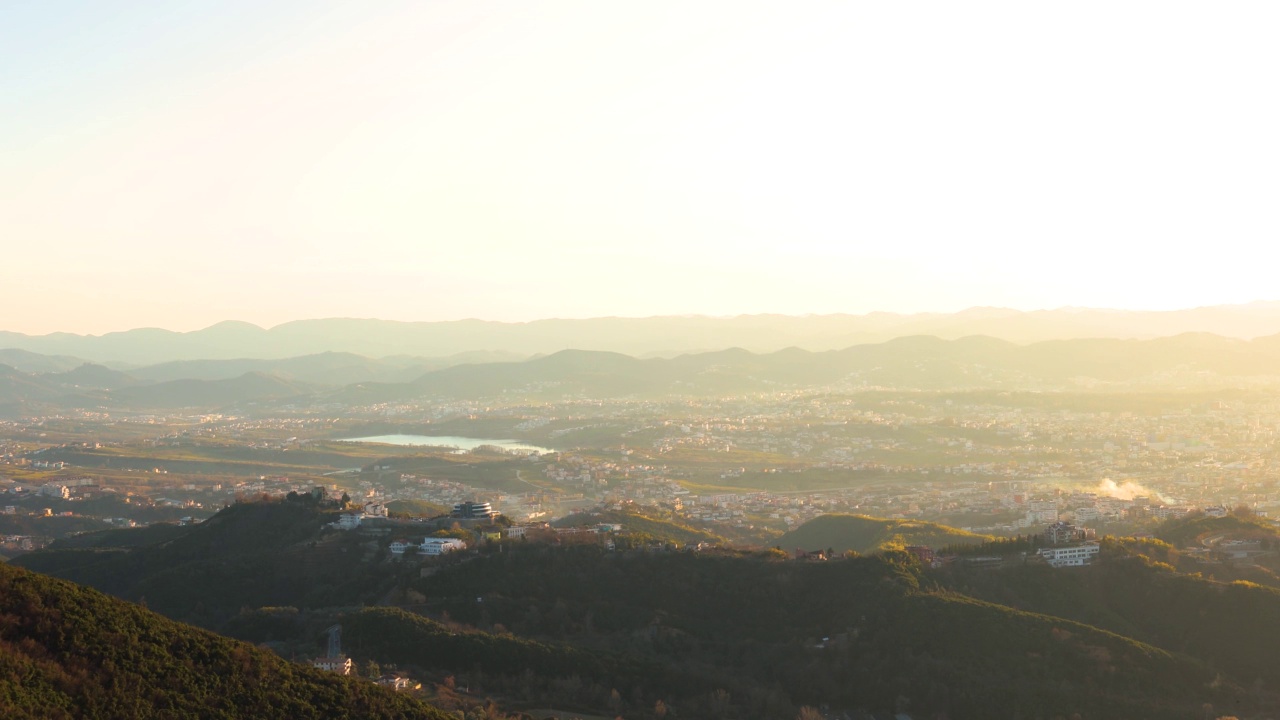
(67, 651)
(636, 336)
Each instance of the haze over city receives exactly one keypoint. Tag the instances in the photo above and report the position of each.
(182, 165)
(572, 360)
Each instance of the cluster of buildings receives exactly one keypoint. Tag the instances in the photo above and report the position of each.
(23, 543)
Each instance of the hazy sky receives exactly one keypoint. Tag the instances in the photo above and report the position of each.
(174, 163)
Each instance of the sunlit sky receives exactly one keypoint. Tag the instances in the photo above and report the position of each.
(175, 164)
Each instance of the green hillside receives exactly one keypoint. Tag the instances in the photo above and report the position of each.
(67, 651)
(1193, 528)
(730, 635)
(865, 534)
(1232, 627)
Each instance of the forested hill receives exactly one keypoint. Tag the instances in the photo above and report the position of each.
(67, 651)
(867, 634)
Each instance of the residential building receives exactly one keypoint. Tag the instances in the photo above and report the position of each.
(1060, 533)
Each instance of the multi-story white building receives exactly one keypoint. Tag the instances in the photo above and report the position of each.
(429, 546)
(1072, 556)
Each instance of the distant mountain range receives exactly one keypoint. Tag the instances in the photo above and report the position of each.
(640, 337)
(1188, 361)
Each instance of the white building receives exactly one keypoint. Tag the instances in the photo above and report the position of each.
(1086, 514)
(429, 546)
(348, 521)
(341, 664)
(440, 546)
(1073, 556)
(55, 490)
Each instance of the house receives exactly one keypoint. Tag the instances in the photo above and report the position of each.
(348, 521)
(398, 547)
(923, 553)
(397, 683)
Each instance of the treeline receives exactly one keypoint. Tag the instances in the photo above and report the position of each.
(998, 546)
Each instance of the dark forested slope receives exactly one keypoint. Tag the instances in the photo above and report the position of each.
(67, 651)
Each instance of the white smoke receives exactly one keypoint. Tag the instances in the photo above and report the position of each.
(1127, 490)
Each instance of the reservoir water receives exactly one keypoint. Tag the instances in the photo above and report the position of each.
(460, 444)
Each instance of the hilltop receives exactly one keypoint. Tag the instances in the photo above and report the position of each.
(863, 534)
(67, 651)
(247, 555)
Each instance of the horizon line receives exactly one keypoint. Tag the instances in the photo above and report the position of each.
(689, 316)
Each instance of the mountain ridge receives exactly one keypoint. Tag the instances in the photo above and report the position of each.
(1185, 361)
(663, 335)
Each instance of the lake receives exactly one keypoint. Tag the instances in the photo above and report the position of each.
(462, 444)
